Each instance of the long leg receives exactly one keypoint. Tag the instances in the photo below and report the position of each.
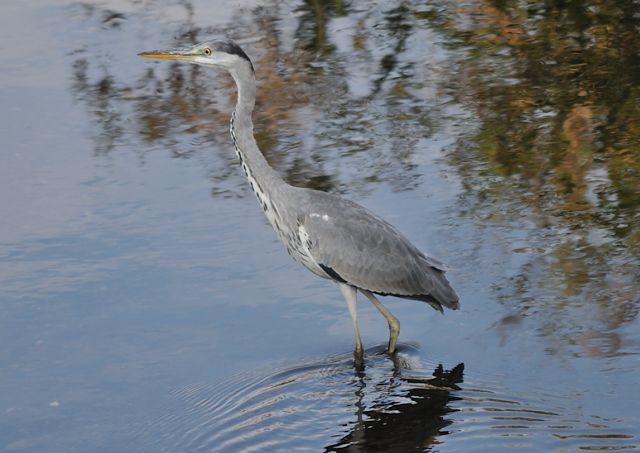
(394, 324)
(349, 293)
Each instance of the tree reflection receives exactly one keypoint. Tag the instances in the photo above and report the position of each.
(100, 96)
(556, 88)
(298, 137)
(557, 85)
(551, 147)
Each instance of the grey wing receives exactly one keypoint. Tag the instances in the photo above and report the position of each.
(353, 245)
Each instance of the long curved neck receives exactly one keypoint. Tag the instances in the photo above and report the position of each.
(264, 181)
(253, 162)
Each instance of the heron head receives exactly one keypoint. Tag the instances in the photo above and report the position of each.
(225, 54)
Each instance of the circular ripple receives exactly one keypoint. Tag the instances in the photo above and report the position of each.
(393, 404)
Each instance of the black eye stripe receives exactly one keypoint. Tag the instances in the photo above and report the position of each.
(231, 48)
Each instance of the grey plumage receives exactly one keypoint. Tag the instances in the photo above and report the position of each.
(334, 238)
(231, 48)
(369, 253)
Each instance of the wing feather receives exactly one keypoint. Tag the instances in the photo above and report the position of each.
(369, 253)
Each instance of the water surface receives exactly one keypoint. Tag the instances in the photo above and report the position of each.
(147, 305)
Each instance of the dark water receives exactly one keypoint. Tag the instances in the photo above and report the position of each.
(145, 305)
(399, 404)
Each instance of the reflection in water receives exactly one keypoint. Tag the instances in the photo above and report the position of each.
(298, 88)
(530, 109)
(390, 405)
(101, 95)
(555, 86)
(555, 158)
(408, 415)
(395, 404)
(536, 106)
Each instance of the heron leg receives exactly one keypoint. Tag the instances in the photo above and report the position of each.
(394, 324)
(349, 293)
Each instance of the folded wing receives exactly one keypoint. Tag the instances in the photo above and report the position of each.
(355, 246)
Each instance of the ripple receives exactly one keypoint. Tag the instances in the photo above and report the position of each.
(395, 403)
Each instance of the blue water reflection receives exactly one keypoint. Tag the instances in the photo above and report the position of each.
(147, 306)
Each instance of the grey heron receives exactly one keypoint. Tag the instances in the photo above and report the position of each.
(333, 237)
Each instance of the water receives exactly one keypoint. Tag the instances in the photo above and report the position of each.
(396, 405)
(147, 306)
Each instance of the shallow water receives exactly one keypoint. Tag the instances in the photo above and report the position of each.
(147, 305)
(398, 404)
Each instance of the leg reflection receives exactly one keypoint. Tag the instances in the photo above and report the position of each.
(403, 412)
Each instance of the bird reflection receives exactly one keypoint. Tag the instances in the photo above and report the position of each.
(410, 415)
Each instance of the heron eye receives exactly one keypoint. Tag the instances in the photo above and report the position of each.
(207, 51)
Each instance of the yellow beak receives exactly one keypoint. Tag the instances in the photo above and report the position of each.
(172, 54)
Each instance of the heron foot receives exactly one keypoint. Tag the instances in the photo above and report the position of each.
(358, 359)
(394, 324)
(394, 331)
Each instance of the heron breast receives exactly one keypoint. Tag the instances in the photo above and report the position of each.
(299, 248)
